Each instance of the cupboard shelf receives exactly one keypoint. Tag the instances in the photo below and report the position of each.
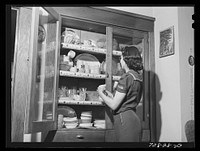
(79, 129)
(89, 49)
(63, 101)
(85, 75)
(82, 75)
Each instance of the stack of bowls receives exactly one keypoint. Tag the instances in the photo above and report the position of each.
(70, 122)
(99, 124)
(86, 118)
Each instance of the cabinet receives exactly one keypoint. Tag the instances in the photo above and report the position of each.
(98, 39)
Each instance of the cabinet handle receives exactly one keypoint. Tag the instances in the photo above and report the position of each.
(107, 75)
(79, 137)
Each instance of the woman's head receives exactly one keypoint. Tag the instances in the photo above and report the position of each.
(132, 58)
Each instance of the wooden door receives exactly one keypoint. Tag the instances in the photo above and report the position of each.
(36, 73)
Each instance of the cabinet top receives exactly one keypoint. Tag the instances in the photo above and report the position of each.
(126, 13)
(108, 17)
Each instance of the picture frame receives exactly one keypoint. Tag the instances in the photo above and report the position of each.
(167, 42)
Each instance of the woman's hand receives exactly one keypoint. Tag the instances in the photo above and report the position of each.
(115, 85)
(101, 88)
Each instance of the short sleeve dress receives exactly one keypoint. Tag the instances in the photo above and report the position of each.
(127, 124)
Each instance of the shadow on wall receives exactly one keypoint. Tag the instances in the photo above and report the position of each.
(155, 110)
(157, 121)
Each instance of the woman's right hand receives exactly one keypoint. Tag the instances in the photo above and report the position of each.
(115, 85)
(109, 94)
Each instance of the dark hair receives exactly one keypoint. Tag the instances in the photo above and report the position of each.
(132, 58)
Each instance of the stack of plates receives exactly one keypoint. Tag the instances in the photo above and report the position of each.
(100, 124)
(86, 118)
(70, 122)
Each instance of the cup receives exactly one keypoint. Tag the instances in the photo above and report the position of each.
(70, 94)
(82, 93)
(73, 69)
(87, 68)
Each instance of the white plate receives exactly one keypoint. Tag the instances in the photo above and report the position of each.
(69, 119)
(85, 124)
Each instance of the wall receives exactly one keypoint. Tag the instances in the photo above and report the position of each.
(167, 69)
(176, 102)
(186, 47)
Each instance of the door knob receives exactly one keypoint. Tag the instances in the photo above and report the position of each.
(79, 137)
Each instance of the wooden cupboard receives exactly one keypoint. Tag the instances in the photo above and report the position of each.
(38, 107)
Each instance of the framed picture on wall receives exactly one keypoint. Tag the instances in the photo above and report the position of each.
(167, 42)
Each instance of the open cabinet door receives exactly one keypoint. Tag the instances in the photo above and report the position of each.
(35, 72)
(42, 104)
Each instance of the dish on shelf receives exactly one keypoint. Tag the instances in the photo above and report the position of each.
(86, 57)
(92, 96)
(65, 67)
(101, 43)
(86, 113)
(88, 63)
(71, 120)
(71, 126)
(67, 112)
(98, 121)
(70, 36)
(85, 124)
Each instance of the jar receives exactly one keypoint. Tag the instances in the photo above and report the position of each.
(73, 69)
(82, 69)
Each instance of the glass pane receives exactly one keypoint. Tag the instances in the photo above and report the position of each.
(46, 53)
(124, 37)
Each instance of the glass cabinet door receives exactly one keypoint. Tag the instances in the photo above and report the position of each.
(122, 37)
(44, 71)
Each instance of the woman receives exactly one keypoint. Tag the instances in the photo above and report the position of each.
(126, 97)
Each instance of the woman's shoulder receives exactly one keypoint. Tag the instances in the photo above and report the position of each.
(124, 76)
(135, 75)
(132, 74)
